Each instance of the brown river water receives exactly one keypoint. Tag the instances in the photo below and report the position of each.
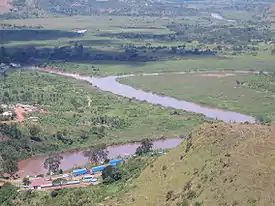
(34, 165)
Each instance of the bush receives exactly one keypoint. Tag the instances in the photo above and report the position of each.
(26, 181)
(54, 193)
(111, 174)
(169, 195)
(191, 195)
(164, 167)
(184, 203)
(188, 146)
(58, 181)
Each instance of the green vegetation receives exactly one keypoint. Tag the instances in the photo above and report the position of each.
(244, 93)
(111, 174)
(7, 194)
(220, 159)
(219, 169)
(145, 147)
(52, 163)
(89, 195)
(213, 163)
(72, 114)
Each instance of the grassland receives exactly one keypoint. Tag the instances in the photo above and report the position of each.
(99, 25)
(263, 62)
(79, 115)
(220, 164)
(213, 91)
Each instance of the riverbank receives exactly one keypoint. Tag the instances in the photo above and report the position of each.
(111, 84)
(75, 121)
(247, 93)
(34, 165)
(73, 158)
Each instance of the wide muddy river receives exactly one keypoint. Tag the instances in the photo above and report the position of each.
(34, 165)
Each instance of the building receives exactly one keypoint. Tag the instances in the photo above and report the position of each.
(115, 161)
(8, 114)
(36, 184)
(98, 168)
(82, 31)
(82, 171)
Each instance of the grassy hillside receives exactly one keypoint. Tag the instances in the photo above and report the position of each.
(219, 164)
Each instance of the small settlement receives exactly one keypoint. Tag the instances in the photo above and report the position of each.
(78, 177)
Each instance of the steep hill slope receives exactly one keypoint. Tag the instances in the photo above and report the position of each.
(219, 164)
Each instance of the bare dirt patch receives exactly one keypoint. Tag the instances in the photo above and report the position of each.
(20, 109)
(218, 75)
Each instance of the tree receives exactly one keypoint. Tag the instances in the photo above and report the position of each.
(146, 146)
(97, 154)
(8, 161)
(34, 130)
(53, 162)
(1, 110)
(111, 174)
(8, 193)
(26, 181)
(10, 166)
(58, 181)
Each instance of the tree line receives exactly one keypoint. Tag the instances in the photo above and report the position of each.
(77, 52)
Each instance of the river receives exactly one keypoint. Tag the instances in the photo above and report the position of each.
(34, 165)
(219, 17)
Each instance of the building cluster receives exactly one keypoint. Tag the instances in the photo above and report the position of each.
(87, 176)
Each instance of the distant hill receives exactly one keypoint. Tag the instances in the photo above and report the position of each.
(219, 164)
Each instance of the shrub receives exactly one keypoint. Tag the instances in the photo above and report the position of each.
(54, 193)
(111, 174)
(26, 181)
(188, 146)
(184, 203)
(169, 195)
(191, 195)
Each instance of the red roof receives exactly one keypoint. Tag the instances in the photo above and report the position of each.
(39, 182)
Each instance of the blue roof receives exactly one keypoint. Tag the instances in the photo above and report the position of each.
(98, 168)
(115, 161)
(80, 171)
